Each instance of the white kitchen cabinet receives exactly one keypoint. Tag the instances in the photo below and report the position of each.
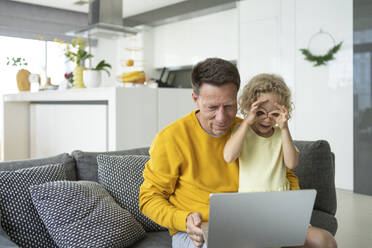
(47, 123)
(57, 128)
(190, 41)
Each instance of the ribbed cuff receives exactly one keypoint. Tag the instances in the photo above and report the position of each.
(179, 220)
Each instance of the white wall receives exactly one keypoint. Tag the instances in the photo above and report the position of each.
(266, 39)
(325, 94)
(271, 34)
(190, 41)
(107, 49)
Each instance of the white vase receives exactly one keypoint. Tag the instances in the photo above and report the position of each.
(64, 85)
(92, 78)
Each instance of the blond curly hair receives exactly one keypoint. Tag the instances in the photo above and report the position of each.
(264, 83)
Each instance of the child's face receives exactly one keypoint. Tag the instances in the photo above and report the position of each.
(264, 127)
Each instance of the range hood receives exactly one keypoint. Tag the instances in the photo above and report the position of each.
(104, 21)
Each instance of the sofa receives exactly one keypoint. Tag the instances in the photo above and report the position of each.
(316, 170)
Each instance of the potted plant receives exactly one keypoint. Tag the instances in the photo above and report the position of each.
(92, 77)
(23, 83)
(76, 53)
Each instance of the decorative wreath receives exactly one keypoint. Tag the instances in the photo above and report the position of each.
(321, 59)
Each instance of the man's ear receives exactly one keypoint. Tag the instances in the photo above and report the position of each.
(195, 97)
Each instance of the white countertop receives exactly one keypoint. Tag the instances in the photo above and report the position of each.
(91, 94)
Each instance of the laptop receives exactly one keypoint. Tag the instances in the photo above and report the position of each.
(260, 219)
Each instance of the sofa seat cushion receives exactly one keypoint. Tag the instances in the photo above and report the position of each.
(155, 240)
(83, 214)
(86, 162)
(20, 219)
(4, 239)
(122, 177)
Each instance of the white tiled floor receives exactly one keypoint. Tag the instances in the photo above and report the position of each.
(354, 215)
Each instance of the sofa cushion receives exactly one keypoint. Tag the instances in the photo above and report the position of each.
(155, 239)
(19, 217)
(83, 214)
(4, 239)
(63, 158)
(86, 162)
(122, 177)
(316, 170)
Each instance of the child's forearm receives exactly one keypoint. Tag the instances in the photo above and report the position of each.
(234, 145)
(289, 151)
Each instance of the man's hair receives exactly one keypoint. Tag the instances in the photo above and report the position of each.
(214, 71)
(264, 83)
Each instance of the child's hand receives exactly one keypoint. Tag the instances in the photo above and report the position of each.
(254, 113)
(280, 116)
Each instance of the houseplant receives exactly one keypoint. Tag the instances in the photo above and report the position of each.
(92, 77)
(76, 53)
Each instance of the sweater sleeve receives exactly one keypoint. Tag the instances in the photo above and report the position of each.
(293, 180)
(160, 178)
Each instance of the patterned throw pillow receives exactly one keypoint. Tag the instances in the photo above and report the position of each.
(122, 177)
(83, 214)
(20, 219)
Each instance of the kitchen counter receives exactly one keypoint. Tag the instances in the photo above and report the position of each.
(46, 123)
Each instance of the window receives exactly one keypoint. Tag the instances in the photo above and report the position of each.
(34, 53)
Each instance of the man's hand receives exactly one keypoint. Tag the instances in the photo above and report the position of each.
(255, 113)
(280, 116)
(193, 227)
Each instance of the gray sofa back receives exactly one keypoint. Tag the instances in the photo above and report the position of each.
(316, 170)
(63, 158)
(86, 162)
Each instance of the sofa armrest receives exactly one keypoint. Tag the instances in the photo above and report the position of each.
(316, 170)
(325, 221)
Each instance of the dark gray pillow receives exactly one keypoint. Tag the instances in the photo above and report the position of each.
(122, 177)
(20, 219)
(83, 214)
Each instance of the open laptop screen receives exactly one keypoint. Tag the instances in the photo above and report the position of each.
(260, 219)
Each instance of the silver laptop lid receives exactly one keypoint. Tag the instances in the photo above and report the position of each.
(262, 219)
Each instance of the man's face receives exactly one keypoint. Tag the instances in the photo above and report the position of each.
(217, 106)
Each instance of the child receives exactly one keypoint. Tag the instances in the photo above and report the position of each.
(262, 142)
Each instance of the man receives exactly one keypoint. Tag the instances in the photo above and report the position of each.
(187, 161)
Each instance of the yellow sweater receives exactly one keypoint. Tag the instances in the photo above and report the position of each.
(187, 165)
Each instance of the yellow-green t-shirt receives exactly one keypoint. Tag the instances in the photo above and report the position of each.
(261, 164)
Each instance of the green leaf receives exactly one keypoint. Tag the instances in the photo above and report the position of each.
(102, 65)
